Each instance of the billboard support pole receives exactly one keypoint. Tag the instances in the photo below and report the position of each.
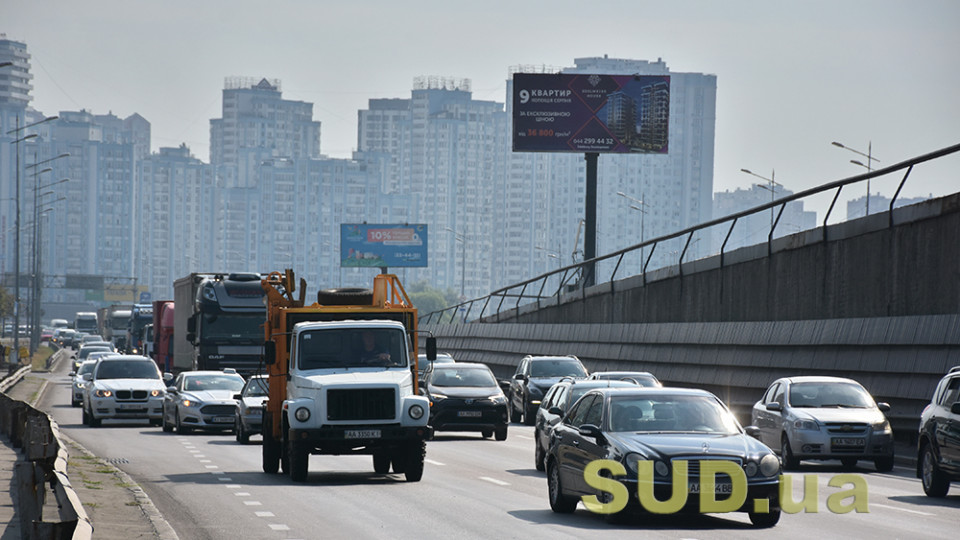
(590, 213)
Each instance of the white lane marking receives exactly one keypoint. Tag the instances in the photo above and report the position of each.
(495, 481)
(206, 461)
(194, 451)
(223, 478)
(279, 527)
(523, 437)
(242, 494)
(199, 455)
(211, 466)
(902, 509)
(432, 462)
(253, 503)
(220, 472)
(232, 486)
(264, 514)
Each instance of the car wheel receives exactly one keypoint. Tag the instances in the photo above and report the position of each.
(271, 448)
(786, 454)
(849, 463)
(85, 417)
(935, 483)
(243, 436)
(501, 433)
(74, 403)
(486, 433)
(155, 421)
(299, 461)
(538, 456)
(764, 520)
(559, 503)
(94, 421)
(515, 415)
(381, 462)
(884, 464)
(415, 454)
(166, 426)
(529, 416)
(182, 429)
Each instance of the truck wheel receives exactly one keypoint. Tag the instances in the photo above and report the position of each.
(381, 462)
(299, 460)
(345, 296)
(271, 448)
(415, 454)
(399, 461)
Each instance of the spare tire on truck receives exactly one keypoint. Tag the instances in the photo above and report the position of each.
(345, 296)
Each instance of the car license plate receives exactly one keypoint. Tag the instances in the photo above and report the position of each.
(129, 406)
(469, 414)
(848, 442)
(694, 487)
(222, 420)
(362, 434)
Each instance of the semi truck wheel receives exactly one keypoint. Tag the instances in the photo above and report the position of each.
(345, 296)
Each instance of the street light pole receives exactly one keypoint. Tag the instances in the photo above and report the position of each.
(868, 165)
(772, 188)
(462, 238)
(638, 205)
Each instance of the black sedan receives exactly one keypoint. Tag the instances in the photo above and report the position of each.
(466, 397)
(653, 433)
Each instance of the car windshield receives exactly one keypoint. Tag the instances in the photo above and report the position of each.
(557, 368)
(86, 367)
(256, 388)
(472, 377)
(350, 348)
(87, 350)
(829, 395)
(670, 413)
(128, 370)
(202, 383)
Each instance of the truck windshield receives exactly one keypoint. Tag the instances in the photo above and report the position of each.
(221, 327)
(353, 347)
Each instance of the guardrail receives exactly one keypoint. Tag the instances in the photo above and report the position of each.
(573, 277)
(38, 436)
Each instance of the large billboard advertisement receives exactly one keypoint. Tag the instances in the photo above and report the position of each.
(591, 113)
(383, 246)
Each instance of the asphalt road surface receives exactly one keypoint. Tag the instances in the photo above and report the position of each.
(208, 486)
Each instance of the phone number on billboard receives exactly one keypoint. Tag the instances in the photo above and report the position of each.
(592, 140)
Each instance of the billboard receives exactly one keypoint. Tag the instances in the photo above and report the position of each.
(383, 246)
(591, 113)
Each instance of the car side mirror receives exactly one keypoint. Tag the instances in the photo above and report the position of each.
(753, 431)
(955, 408)
(775, 406)
(883, 406)
(73, 373)
(590, 430)
(171, 389)
(555, 410)
(167, 377)
(520, 377)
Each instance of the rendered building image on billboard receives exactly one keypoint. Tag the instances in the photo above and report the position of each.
(383, 246)
(591, 113)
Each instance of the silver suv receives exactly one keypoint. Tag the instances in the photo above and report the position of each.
(938, 449)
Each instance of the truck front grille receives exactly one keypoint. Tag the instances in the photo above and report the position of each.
(361, 404)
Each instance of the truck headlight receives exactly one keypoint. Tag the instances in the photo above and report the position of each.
(302, 414)
(416, 412)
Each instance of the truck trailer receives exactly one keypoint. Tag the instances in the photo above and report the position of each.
(219, 322)
(163, 320)
(113, 322)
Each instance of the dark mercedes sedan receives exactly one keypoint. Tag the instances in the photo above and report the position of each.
(466, 397)
(651, 433)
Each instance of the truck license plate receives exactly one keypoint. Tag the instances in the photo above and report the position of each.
(362, 434)
(468, 414)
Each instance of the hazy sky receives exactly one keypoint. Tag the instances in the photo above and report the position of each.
(791, 76)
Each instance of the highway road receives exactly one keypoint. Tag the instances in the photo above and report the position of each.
(208, 486)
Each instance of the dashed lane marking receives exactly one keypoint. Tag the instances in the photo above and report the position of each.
(919, 513)
(279, 527)
(432, 462)
(264, 514)
(253, 503)
(495, 481)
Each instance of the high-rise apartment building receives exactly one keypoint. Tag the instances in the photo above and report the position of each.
(755, 228)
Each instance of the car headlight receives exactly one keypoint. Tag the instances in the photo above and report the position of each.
(79, 384)
(661, 469)
(302, 414)
(156, 393)
(437, 397)
(103, 393)
(882, 428)
(498, 399)
(191, 403)
(769, 465)
(630, 462)
(807, 425)
(416, 412)
(750, 469)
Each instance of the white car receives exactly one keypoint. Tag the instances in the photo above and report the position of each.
(123, 387)
(202, 400)
(76, 392)
(249, 420)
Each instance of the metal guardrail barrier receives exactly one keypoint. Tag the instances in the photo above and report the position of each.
(38, 436)
(570, 277)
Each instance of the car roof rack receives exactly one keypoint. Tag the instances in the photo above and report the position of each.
(954, 369)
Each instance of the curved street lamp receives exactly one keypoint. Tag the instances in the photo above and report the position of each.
(868, 165)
